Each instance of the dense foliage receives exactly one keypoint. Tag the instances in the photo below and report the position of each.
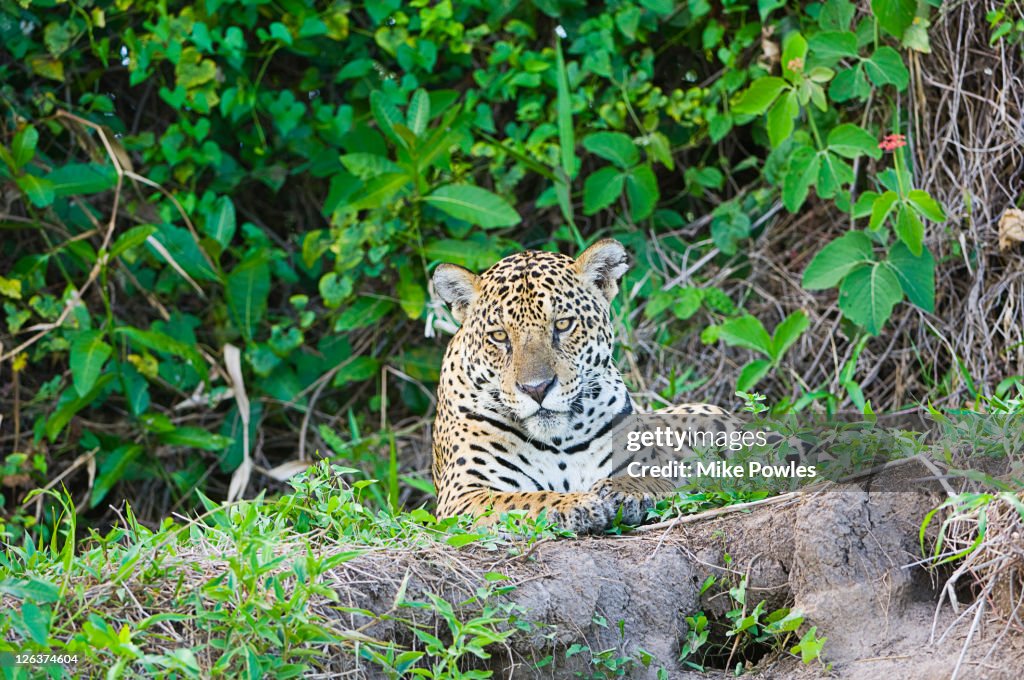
(182, 179)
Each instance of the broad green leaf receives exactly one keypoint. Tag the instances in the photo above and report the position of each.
(916, 38)
(10, 287)
(868, 294)
(746, 331)
(157, 341)
(356, 370)
(30, 589)
(850, 141)
(38, 189)
(365, 311)
(926, 206)
(781, 117)
(830, 46)
(23, 148)
(379, 190)
(642, 192)
(659, 6)
(787, 332)
(729, 226)
(601, 189)
(687, 302)
(881, 208)
(247, 287)
(366, 166)
(794, 53)
(613, 146)
(82, 178)
(135, 236)
(112, 467)
(69, 404)
(895, 16)
(804, 166)
(411, 294)
(885, 67)
(834, 174)
(836, 15)
(220, 223)
(387, 115)
(182, 247)
(474, 204)
(660, 149)
(910, 229)
(89, 352)
(195, 438)
(752, 373)
(419, 112)
(837, 260)
(759, 96)
(37, 621)
(849, 84)
(471, 254)
(915, 273)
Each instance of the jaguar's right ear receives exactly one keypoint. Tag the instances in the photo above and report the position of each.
(457, 287)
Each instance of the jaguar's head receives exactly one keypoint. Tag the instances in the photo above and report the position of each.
(536, 335)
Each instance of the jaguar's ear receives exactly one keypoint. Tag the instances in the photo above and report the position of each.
(602, 265)
(457, 287)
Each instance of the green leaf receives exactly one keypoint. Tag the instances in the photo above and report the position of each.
(566, 133)
(135, 236)
(915, 273)
(220, 222)
(68, 407)
(82, 178)
(601, 189)
(157, 341)
(23, 148)
(687, 303)
(659, 6)
(831, 46)
(182, 247)
(881, 208)
(37, 621)
(885, 67)
(729, 225)
(31, 588)
(247, 287)
(419, 112)
(89, 352)
(804, 166)
(10, 287)
(850, 141)
(868, 294)
(111, 470)
(365, 311)
(475, 205)
(837, 260)
(794, 49)
(895, 16)
(781, 117)
(387, 116)
(367, 166)
(926, 206)
(411, 294)
(849, 84)
(195, 438)
(613, 146)
(746, 331)
(642, 192)
(910, 229)
(787, 332)
(916, 38)
(379, 190)
(836, 15)
(834, 173)
(38, 189)
(759, 96)
(752, 373)
(357, 369)
(472, 254)
(459, 540)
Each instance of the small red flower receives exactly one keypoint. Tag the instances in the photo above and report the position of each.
(892, 142)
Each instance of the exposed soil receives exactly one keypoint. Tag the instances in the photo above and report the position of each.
(846, 558)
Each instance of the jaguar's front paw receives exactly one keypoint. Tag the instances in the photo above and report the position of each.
(633, 500)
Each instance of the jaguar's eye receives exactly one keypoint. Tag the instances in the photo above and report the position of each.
(562, 325)
(499, 337)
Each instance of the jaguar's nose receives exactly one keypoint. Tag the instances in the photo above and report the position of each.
(537, 390)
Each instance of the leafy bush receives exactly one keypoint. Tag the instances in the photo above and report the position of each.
(184, 178)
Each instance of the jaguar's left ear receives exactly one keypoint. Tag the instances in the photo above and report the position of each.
(602, 265)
